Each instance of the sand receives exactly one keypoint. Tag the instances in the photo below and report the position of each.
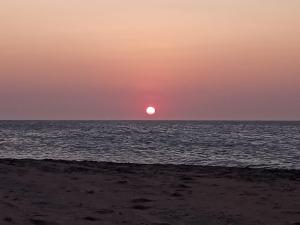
(51, 192)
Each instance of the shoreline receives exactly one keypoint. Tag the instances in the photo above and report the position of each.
(165, 165)
(53, 192)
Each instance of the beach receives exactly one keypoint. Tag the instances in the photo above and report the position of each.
(49, 192)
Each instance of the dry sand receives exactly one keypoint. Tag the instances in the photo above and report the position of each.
(69, 193)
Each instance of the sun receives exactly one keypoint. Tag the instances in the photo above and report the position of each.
(150, 110)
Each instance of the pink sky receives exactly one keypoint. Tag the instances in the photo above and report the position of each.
(109, 59)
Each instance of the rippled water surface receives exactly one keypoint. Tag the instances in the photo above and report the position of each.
(255, 144)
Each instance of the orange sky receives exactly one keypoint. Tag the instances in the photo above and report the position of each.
(108, 59)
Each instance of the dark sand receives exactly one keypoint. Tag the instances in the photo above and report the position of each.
(70, 193)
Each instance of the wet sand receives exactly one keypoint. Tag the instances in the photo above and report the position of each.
(51, 192)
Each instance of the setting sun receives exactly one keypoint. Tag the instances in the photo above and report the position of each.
(150, 110)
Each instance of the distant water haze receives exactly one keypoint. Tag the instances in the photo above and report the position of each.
(109, 59)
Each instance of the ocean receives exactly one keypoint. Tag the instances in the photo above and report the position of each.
(214, 143)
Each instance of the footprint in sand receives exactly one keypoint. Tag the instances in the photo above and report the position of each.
(8, 219)
(42, 222)
(89, 218)
(176, 194)
(104, 211)
(141, 200)
(141, 207)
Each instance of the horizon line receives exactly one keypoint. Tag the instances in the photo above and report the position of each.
(163, 120)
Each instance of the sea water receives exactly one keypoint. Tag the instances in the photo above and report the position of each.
(214, 143)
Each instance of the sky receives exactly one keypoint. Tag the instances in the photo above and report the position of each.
(190, 59)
